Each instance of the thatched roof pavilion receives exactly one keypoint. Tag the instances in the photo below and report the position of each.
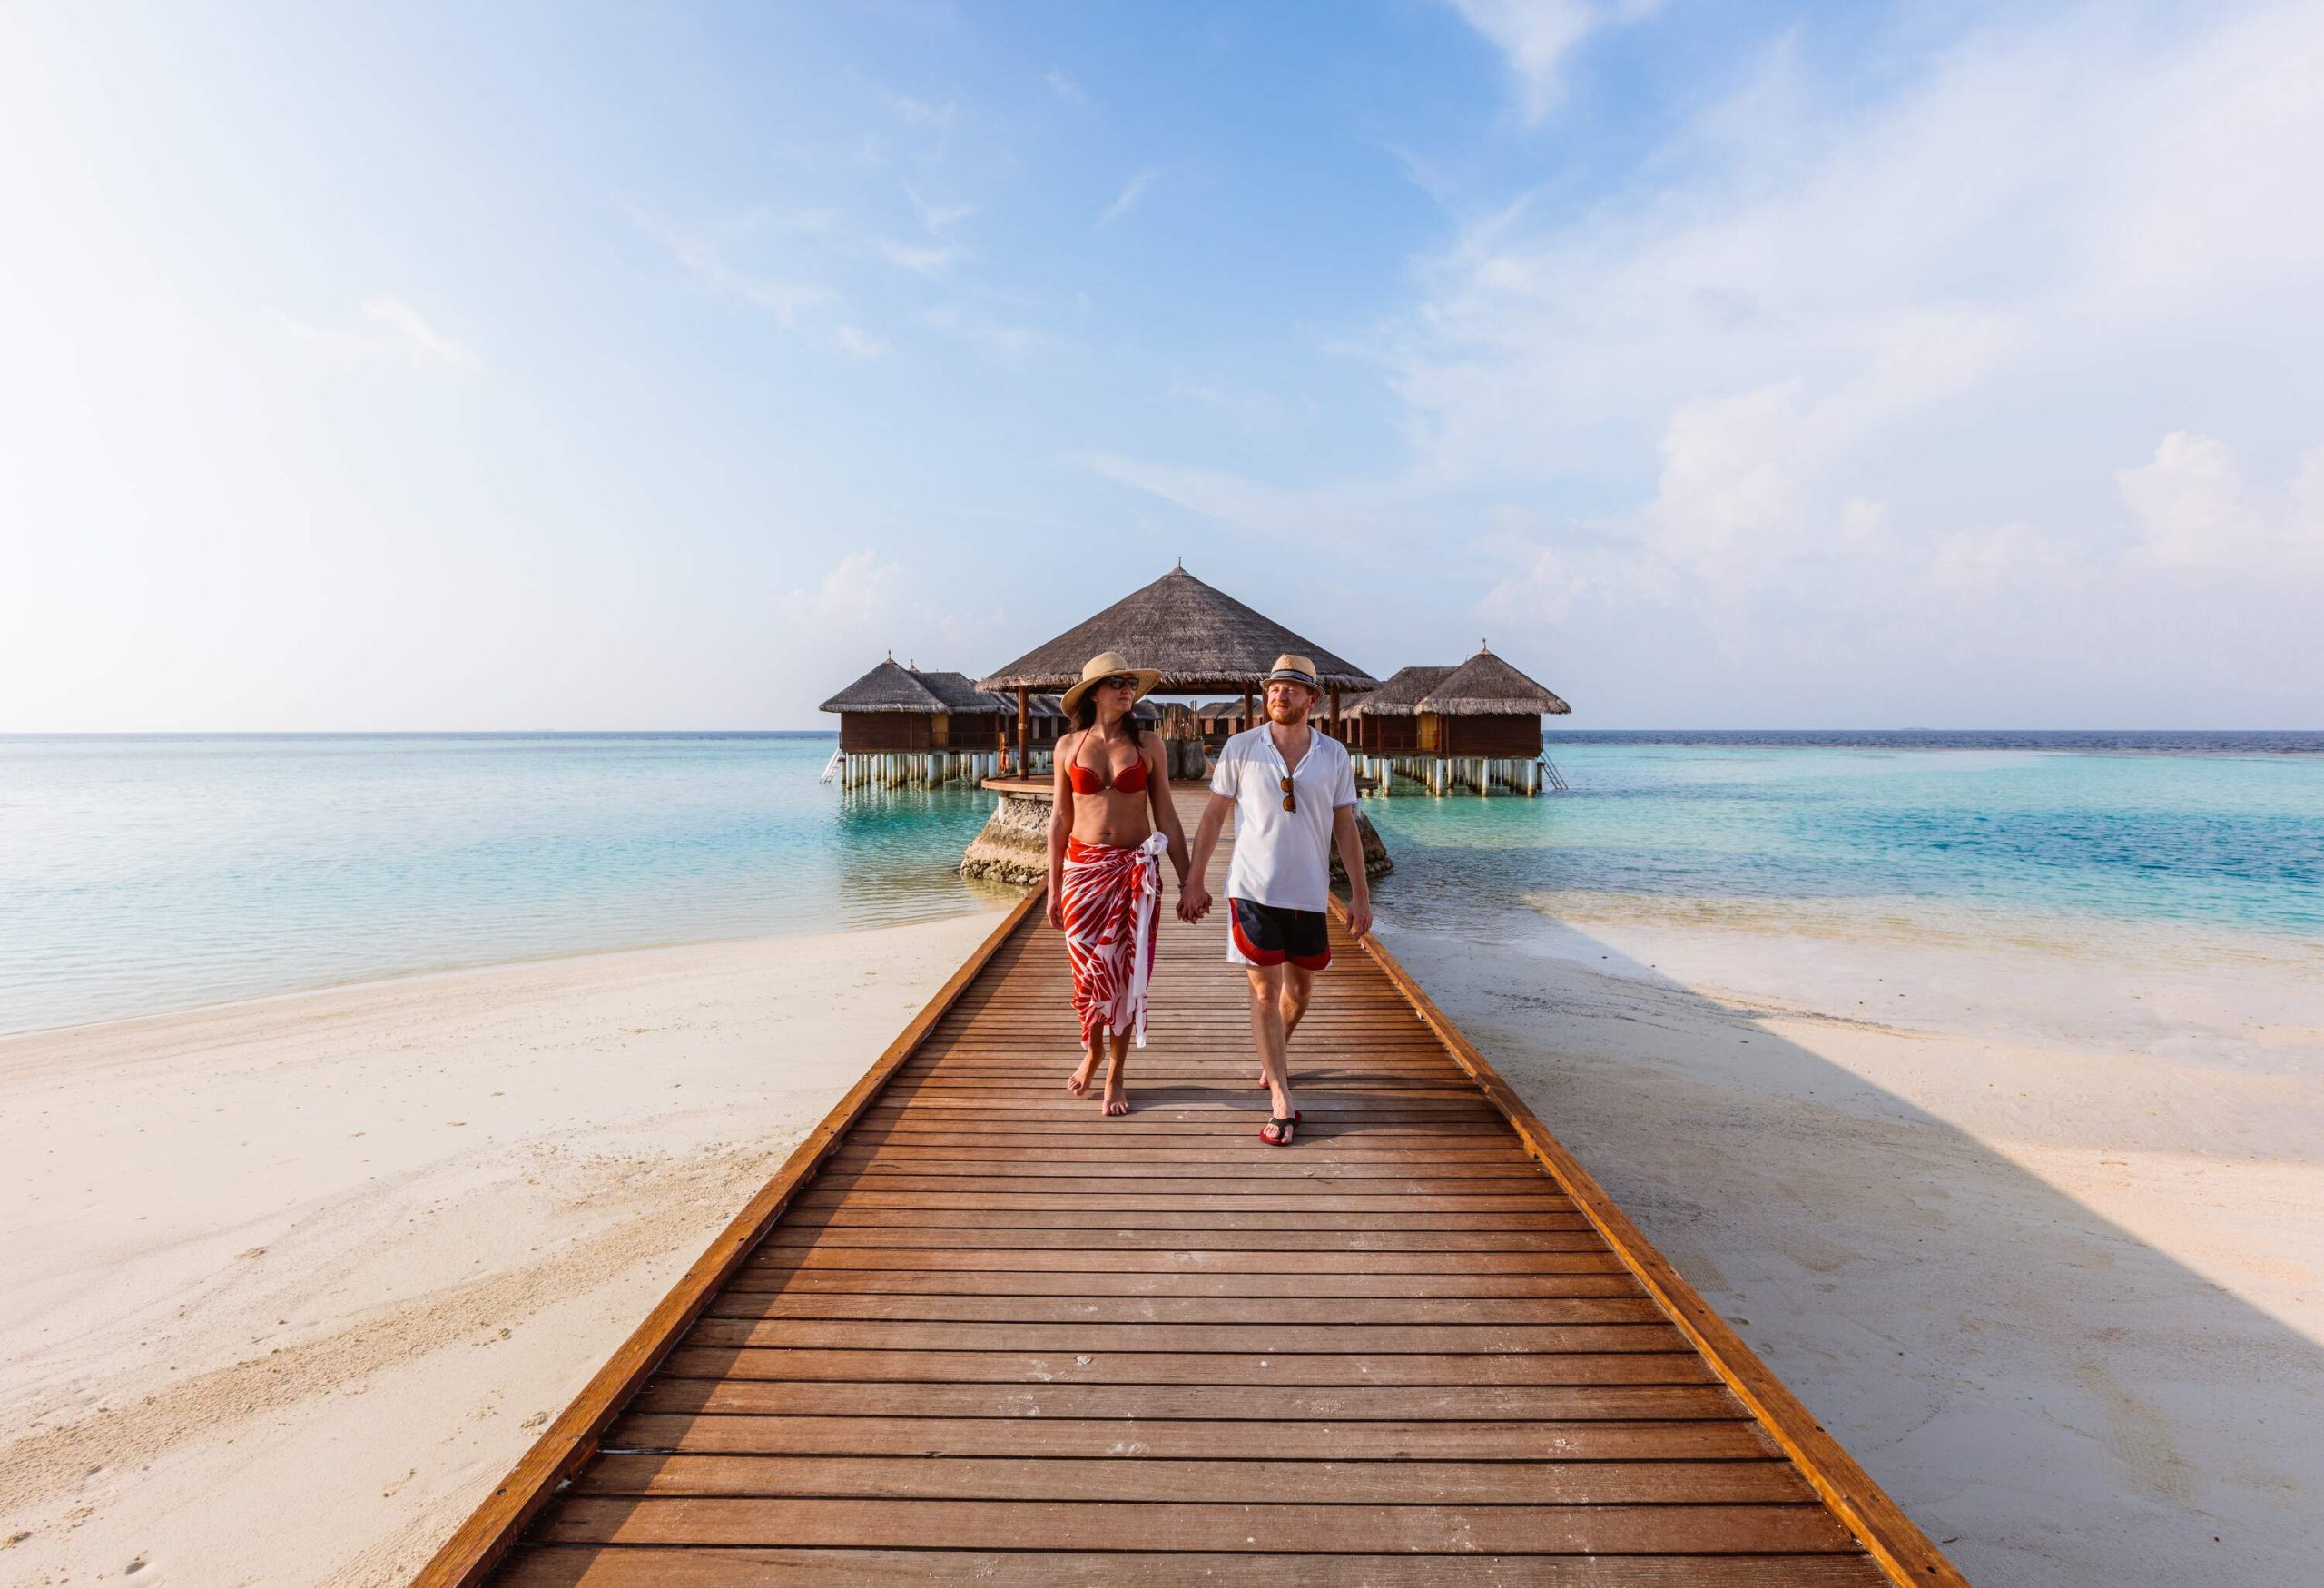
(1485, 686)
(1199, 637)
(1483, 707)
(1401, 694)
(898, 710)
(894, 687)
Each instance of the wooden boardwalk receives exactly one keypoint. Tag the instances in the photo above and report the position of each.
(974, 1333)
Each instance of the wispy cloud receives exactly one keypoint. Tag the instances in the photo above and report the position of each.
(803, 305)
(921, 113)
(1250, 410)
(1894, 392)
(392, 331)
(866, 602)
(1061, 83)
(1126, 200)
(1537, 37)
(997, 337)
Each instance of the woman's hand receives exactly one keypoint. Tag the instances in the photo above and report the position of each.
(1056, 907)
(1194, 902)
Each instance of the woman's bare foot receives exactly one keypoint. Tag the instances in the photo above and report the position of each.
(1117, 1095)
(1077, 1084)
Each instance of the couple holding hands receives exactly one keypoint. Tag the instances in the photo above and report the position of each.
(1292, 793)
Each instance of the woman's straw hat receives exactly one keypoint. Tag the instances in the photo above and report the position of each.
(1109, 665)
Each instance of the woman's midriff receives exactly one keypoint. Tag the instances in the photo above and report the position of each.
(1117, 821)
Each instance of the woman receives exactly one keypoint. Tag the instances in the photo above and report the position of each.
(1112, 822)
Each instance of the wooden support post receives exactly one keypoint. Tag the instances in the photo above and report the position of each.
(1247, 723)
(1024, 722)
(1335, 711)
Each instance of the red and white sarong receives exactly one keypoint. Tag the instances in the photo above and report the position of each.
(1112, 898)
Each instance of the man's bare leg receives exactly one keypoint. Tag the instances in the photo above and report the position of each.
(1266, 1033)
(1298, 987)
(1117, 1077)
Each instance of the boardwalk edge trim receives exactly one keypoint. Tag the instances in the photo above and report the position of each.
(1891, 1538)
(568, 1443)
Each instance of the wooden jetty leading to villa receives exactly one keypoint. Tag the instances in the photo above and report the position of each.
(974, 1333)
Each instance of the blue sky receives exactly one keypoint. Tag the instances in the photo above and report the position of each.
(557, 366)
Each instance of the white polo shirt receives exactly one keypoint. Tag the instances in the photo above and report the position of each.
(1283, 857)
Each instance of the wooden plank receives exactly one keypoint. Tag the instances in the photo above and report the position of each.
(1342, 1368)
(1892, 1537)
(1263, 1402)
(852, 1214)
(1178, 1481)
(884, 1334)
(911, 1282)
(1379, 1439)
(1074, 1182)
(1279, 1199)
(1104, 1237)
(1192, 1262)
(571, 1438)
(1249, 1311)
(555, 1566)
(1260, 1529)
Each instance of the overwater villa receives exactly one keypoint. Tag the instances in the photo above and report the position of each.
(900, 725)
(1202, 641)
(1475, 725)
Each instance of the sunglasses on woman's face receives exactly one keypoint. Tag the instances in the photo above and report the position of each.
(1290, 799)
(1126, 682)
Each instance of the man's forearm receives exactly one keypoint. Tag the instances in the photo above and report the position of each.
(1206, 843)
(1351, 848)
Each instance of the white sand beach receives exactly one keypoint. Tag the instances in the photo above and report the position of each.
(293, 1281)
(2036, 1225)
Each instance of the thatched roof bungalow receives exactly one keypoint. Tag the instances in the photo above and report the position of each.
(1483, 707)
(1199, 637)
(898, 710)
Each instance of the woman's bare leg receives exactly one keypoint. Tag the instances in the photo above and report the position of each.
(1079, 1084)
(1117, 1075)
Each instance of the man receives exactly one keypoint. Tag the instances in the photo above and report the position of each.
(1293, 793)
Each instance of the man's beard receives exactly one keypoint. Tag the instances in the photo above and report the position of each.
(1288, 715)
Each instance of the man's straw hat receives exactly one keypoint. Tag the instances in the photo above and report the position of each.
(1292, 669)
(1109, 665)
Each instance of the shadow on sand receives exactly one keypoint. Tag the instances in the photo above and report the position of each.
(2053, 1399)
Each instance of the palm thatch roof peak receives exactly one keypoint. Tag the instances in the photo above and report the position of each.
(1485, 686)
(892, 686)
(1197, 637)
(1401, 694)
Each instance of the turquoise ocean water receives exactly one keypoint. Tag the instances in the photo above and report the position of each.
(145, 874)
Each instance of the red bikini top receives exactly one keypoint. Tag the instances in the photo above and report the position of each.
(1131, 780)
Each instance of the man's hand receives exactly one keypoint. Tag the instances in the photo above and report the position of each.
(1359, 915)
(1193, 903)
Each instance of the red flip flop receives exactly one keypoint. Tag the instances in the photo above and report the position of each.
(1278, 1132)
